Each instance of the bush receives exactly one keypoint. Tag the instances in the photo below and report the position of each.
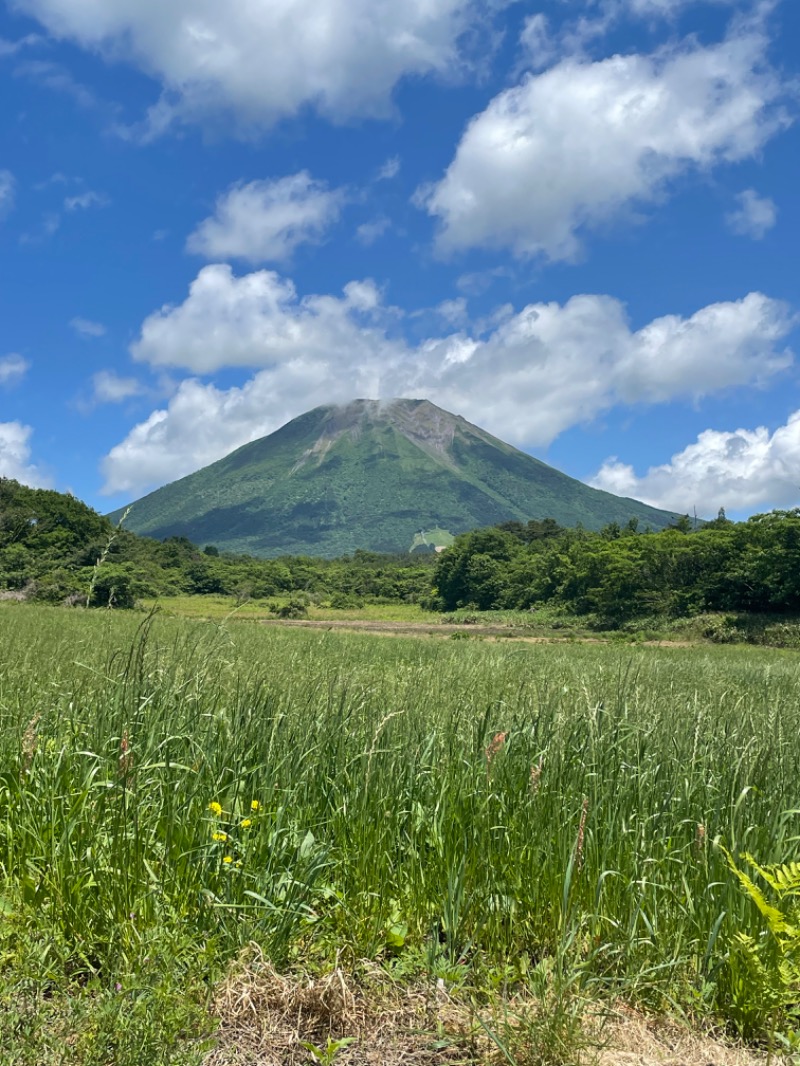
(55, 587)
(293, 609)
(113, 586)
(340, 601)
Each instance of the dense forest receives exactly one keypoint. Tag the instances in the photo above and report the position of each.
(621, 573)
(55, 549)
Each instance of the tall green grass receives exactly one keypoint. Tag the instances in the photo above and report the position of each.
(484, 813)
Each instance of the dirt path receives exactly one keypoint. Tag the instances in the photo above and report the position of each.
(446, 629)
(397, 629)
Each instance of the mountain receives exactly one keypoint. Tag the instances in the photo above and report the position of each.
(378, 475)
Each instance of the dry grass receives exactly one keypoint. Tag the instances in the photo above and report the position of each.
(632, 1039)
(265, 1019)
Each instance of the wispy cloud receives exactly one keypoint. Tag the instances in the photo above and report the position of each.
(7, 188)
(389, 170)
(53, 76)
(12, 48)
(13, 369)
(50, 223)
(56, 179)
(754, 215)
(110, 387)
(369, 232)
(85, 327)
(83, 201)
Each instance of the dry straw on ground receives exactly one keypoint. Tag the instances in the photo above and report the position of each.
(634, 1040)
(265, 1019)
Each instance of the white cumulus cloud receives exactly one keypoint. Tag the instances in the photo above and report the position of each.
(739, 470)
(265, 60)
(754, 215)
(15, 455)
(257, 320)
(535, 373)
(576, 145)
(264, 221)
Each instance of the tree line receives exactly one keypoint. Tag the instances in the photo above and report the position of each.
(621, 574)
(55, 549)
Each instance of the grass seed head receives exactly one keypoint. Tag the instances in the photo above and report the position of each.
(30, 742)
(125, 759)
(496, 746)
(581, 833)
(535, 777)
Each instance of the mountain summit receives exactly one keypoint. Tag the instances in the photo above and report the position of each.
(379, 475)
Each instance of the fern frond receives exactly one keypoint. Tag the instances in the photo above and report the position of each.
(782, 878)
(775, 919)
(787, 878)
(765, 975)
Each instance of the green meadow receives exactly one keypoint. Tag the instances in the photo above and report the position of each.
(503, 822)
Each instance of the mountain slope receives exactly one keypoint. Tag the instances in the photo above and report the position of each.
(370, 475)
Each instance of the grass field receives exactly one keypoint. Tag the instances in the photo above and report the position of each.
(501, 823)
(220, 608)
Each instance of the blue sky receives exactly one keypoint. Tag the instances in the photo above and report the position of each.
(572, 221)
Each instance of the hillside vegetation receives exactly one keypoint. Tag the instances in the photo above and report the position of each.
(371, 476)
(51, 545)
(620, 574)
(740, 579)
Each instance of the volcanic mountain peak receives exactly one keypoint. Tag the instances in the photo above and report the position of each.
(418, 420)
(375, 475)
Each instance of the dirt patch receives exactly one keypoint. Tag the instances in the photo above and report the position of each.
(413, 629)
(447, 629)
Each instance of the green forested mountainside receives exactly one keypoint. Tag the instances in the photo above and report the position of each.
(370, 476)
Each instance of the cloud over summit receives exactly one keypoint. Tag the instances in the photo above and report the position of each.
(538, 372)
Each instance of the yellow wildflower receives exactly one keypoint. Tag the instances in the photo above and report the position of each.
(215, 808)
(255, 805)
(227, 859)
(219, 836)
(246, 823)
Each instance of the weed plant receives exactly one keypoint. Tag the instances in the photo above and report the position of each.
(495, 816)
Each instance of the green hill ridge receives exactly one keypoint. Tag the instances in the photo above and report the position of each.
(373, 475)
